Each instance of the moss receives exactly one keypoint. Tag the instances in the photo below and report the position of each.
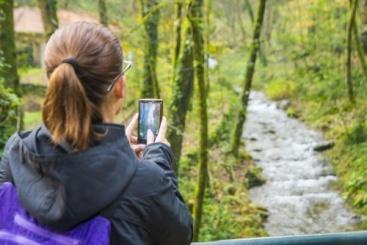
(9, 104)
(254, 177)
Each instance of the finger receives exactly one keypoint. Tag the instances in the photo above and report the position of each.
(150, 137)
(140, 155)
(162, 130)
(133, 139)
(132, 124)
(138, 148)
(166, 142)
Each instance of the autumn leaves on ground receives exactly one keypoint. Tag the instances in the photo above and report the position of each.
(202, 57)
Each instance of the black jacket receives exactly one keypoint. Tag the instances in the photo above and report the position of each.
(62, 188)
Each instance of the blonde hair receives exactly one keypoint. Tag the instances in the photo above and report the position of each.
(81, 61)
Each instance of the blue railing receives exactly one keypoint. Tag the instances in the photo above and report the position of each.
(345, 238)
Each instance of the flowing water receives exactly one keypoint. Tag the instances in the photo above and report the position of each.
(298, 191)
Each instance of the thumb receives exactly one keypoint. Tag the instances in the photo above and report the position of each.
(132, 125)
(150, 137)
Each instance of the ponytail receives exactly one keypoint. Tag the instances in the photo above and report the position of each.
(81, 61)
(67, 111)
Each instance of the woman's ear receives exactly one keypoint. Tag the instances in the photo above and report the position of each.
(119, 88)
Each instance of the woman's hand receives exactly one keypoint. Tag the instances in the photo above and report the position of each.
(133, 140)
(161, 137)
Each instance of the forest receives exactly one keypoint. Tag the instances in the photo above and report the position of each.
(266, 101)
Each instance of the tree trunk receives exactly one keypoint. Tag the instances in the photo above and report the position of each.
(261, 49)
(208, 9)
(151, 15)
(363, 16)
(102, 9)
(7, 46)
(349, 51)
(241, 117)
(178, 25)
(50, 22)
(197, 22)
(8, 53)
(359, 49)
(182, 94)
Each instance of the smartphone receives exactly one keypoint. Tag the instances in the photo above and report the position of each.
(150, 117)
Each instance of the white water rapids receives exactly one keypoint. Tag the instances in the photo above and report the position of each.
(298, 190)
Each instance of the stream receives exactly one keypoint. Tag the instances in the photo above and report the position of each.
(298, 192)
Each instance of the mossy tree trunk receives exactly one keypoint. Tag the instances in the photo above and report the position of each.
(357, 40)
(178, 27)
(7, 46)
(196, 19)
(182, 94)
(208, 10)
(50, 21)
(261, 50)
(151, 15)
(102, 10)
(247, 83)
(349, 51)
(9, 71)
(359, 49)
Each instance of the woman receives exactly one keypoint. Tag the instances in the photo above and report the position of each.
(79, 164)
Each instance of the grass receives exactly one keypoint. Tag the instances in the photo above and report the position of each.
(32, 75)
(32, 119)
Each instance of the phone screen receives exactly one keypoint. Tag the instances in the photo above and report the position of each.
(150, 116)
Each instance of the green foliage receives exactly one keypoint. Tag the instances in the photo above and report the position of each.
(25, 2)
(231, 216)
(279, 90)
(32, 119)
(228, 211)
(357, 132)
(25, 52)
(9, 103)
(355, 189)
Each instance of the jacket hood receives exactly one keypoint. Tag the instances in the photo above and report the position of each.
(61, 188)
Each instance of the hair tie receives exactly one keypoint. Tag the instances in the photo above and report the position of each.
(73, 62)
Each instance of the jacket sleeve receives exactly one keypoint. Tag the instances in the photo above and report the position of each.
(5, 174)
(172, 220)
